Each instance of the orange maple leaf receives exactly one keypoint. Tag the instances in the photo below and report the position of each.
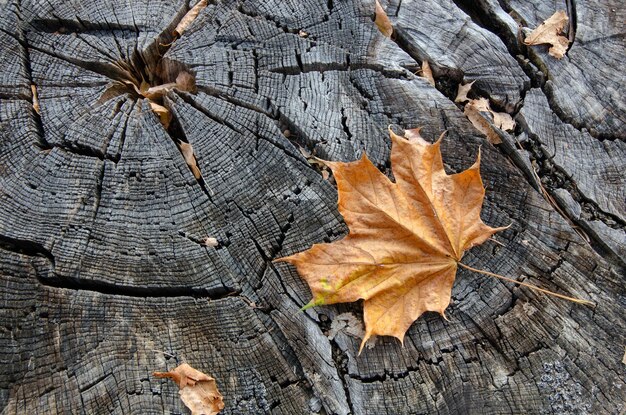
(406, 238)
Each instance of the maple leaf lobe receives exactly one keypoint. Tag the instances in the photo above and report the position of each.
(405, 237)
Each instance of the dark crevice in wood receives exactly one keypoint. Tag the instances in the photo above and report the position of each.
(489, 22)
(344, 124)
(19, 95)
(557, 178)
(217, 293)
(571, 13)
(70, 27)
(98, 195)
(50, 279)
(26, 247)
(246, 12)
(404, 43)
(553, 177)
(192, 102)
(340, 67)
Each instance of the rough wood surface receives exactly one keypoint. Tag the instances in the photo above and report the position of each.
(104, 273)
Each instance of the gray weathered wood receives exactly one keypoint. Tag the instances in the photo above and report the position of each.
(104, 275)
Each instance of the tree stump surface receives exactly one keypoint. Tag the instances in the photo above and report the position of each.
(105, 273)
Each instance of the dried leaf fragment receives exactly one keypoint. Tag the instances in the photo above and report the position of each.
(190, 158)
(462, 91)
(406, 237)
(382, 21)
(198, 391)
(427, 73)
(33, 89)
(189, 17)
(474, 110)
(165, 116)
(549, 32)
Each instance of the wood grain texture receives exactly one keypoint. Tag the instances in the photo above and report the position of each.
(104, 274)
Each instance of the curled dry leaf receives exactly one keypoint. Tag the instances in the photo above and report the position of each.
(165, 116)
(187, 151)
(474, 110)
(198, 391)
(184, 82)
(382, 21)
(427, 73)
(189, 17)
(550, 32)
(406, 238)
(33, 89)
(463, 90)
(503, 121)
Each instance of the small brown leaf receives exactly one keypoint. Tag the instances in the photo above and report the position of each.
(427, 73)
(33, 89)
(382, 21)
(464, 89)
(197, 391)
(165, 116)
(501, 120)
(187, 150)
(548, 32)
(189, 17)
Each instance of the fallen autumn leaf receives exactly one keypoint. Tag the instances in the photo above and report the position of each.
(501, 120)
(406, 238)
(548, 32)
(198, 391)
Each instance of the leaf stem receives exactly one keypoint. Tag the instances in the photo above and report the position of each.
(534, 287)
